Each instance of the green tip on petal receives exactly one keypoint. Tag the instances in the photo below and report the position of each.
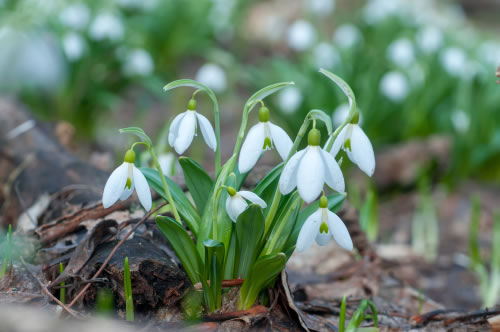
(128, 184)
(130, 156)
(355, 118)
(314, 137)
(267, 143)
(231, 191)
(192, 105)
(323, 202)
(264, 114)
(323, 228)
(347, 144)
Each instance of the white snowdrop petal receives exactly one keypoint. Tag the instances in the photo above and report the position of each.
(142, 189)
(333, 174)
(362, 151)
(281, 140)
(339, 141)
(252, 148)
(308, 232)
(115, 185)
(252, 197)
(127, 192)
(229, 210)
(311, 174)
(288, 178)
(207, 131)
(339, 231)
(322, 238)
(238, 205)
(173, 131)
(186, 132)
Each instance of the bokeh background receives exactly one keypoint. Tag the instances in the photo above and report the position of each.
(423, 72)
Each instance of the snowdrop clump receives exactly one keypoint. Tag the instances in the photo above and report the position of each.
(241, 232)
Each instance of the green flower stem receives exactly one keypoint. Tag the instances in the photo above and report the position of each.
(165, 185)
(277, 194)
(275, 238)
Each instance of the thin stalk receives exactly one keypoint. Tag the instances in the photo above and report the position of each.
(62, 291)
(8, 252)
(127, 285)
(165, 185)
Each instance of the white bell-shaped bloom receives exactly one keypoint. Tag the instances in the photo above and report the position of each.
(183, 129)
(321, 226)
(353, 140)
(261, 137)
(310, 169)
(122, 182)
(236, 202)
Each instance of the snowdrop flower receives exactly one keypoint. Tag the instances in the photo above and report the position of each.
(301, 35)
(310, 169)
(453, 60)
(123, 181)
(353, 140)
(169, 164)
(290, 99)
(347, 35)
(73, 45)
(429, 39)
(262, 137)
(138, 62)
(321, 7)
(183, 129)
(460, 121)
(106, 26)
(325, 56)
(321, 226)
(213, 76)
(394, 85)
(401, 52)
(236, 202)
(75, 16)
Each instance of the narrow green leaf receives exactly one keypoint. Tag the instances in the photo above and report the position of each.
(214, 269)
(334, 203)
(260, 276)
(268, 180)
(192, 84)
(474, 252)
(127, 286)
(249, 231)
(62, 290)
(184, 206)
(342, 315)
(199, 183)
(232, 257)
(323, 117)
(183, 246)
(8, 253)
(368, 215)
(264, 92)
(341, 84)
(139, 133)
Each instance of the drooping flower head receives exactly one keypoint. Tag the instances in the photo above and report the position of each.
(353, 140)
(261, 137)
(183, 129)
(236, 202)
(310, 169)
(122, 182)
(321, 226)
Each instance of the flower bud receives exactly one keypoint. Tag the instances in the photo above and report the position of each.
(264, 114)
(192, 105)
(314, 137)
(130, 156)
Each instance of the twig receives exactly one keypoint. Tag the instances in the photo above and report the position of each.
(118, 245)
(477, 314)
(225, 283)
(49, 294)
(257, 310)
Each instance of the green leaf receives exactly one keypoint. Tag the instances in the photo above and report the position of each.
(268, 185)
(127, 285)
(232, 257)
(323, 117)
(342, 85)
(261, 275)
(359, 316)
(183, 246)
(214, 270)
(192, 84)
(249, 231)
(334, 203)
(198, 182)
(184, 206)
(139, 133)
(283, 226)
(368, 215)
(474, 252)
(264, 92)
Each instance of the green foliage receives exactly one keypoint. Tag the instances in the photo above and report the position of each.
(198, 182)
(249, 231)
(7, 258)
(104, 302)
(358, 317)
(127, 286)
(368, 216)
(214, 271)
(62, 291)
